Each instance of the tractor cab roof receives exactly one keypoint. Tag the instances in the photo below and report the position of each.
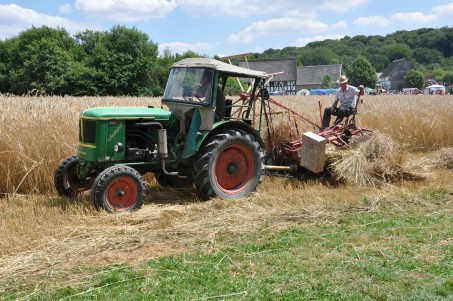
(229, 69)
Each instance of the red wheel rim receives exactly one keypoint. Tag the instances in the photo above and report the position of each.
(121, 194)
(234, 168)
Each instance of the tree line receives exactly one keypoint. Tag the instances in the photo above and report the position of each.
(122, 61)
(429, 50)
(125, 61)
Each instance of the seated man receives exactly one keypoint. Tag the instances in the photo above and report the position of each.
(346, 95)
(204, 91)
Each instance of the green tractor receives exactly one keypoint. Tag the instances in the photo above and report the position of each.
(199, 138)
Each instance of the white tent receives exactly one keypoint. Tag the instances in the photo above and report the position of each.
(435, 89)
(303, 92)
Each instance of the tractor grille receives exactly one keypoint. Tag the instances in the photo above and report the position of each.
(87, 131)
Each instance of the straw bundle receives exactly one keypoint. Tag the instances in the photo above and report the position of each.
(443, 158)
(377, 160)
(353, 167)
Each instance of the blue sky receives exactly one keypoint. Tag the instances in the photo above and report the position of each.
(228, 27)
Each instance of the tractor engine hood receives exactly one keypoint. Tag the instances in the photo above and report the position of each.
(127, 113)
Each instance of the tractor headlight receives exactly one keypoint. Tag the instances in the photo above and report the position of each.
(118, 147)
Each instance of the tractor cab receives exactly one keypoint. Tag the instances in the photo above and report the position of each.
(195, 95)
(196, 91)
(196, 85)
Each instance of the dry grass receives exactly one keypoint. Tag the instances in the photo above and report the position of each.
(443, 158)
(420, 123)
(43, 233)
(38, 132)
(376, 161)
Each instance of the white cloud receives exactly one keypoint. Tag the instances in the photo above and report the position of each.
(94, 6)
(126, 10)
(277, 26)
(337, 6)
(304, 41)
(443, 10)
(339, 25)
(14, 19)
(239, 8)
(373, 20)
(214, 7)
(65, 9)
(418, 17)
(181, 47)
(244, 8)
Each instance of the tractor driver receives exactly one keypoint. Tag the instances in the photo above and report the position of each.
(346, 95)
(204, 91)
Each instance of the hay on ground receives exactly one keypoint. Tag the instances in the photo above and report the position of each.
(376, 161)
(353, 167)
(443, 158)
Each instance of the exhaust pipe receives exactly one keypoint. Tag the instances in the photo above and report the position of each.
(163, 150)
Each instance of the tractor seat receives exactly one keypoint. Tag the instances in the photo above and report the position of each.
(352, 121)
(347, 121)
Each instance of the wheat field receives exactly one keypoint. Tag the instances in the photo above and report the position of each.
(43, 233)
(38, 132)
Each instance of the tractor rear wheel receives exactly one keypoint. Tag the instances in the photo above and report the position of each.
(119, 188)
(66, 180)
(229, 165)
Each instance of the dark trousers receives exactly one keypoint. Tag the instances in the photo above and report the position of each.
(339, 112)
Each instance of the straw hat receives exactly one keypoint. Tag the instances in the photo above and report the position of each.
(342, 79)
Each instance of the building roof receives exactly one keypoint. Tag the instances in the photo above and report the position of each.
(314, 75)
(392, 66)
(287, 66)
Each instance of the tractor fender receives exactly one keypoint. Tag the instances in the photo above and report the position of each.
(229, 124)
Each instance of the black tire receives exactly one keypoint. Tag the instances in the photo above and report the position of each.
(229, 165)
(119, 188)
(66, 180)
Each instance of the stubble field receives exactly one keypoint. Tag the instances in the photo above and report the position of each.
(45, 238)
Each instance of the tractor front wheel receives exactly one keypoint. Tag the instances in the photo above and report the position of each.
(119, 188)
(229, 165)
(67, 181)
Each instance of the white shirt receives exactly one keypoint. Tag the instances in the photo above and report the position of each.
(347, 97)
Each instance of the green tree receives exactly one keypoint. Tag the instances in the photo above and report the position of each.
(318, 56)
(4, 82)
(448, 77)
(440, 39)
(40, 60)
(427, 56)
(327, 82)
(123, 60)
(4, 60)
(396, 52)
(361, 72)
(379, 61)
(414, 79)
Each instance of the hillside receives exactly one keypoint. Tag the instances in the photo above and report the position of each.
(429, 49)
